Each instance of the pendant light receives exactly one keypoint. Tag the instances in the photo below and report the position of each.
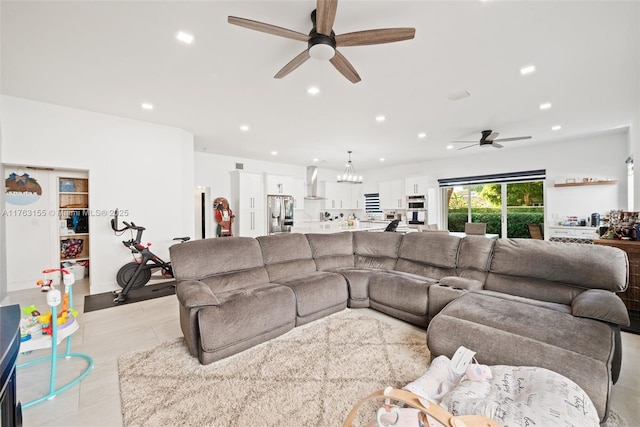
(350, 176)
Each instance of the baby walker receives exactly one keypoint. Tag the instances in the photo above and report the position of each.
(48, 330)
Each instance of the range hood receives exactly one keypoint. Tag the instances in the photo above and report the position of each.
(312, 184)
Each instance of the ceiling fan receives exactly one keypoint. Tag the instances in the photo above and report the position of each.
(322, 41)
(488, 139)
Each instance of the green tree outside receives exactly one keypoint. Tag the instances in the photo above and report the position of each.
(524, 206)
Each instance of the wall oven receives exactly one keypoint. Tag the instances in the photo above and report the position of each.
(416, 210)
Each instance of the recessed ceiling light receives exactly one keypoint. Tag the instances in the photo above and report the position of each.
(449, 147)
(556, 127)
(527, 69)
(422, 135)
(147, 106)
(184, 37)
(313, 90)
(545, 106)
(316, 160)
(244, 128)
(382, 159)
(380, 118)
(274, 153)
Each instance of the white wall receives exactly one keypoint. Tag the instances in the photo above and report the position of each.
(140, 167)
(597, 156)
(3, 262)
(634, 140)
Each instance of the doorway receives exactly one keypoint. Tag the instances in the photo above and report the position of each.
(203, 212)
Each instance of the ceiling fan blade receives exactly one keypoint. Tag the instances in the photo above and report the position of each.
(325, 16)
(345, 67)
(517, 138)
(492, 136)
(268, 28)
(468, 146)
(465, 142)
(496, 145)
(293, 64)
(369, 37)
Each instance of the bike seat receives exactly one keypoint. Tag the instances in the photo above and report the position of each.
(183, 239)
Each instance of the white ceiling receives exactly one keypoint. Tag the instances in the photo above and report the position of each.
(111, 56)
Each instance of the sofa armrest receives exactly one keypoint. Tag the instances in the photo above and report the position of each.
(461, 283)
(193, 293)
(602, 305)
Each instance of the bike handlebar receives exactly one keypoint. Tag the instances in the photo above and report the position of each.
(133, 226)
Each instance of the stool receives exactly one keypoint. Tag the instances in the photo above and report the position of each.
(506, 331)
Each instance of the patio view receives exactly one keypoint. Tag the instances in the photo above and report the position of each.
(506, 208)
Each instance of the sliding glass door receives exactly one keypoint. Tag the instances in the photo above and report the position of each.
(507, 208)
(475, 203)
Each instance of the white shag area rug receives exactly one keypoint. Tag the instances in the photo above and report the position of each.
(310, 376)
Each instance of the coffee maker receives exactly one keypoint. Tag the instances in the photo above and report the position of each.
(595, 219)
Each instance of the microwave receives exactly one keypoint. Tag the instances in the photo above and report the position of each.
(416, 202)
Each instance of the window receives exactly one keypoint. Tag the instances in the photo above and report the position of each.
(505, 202)
(372, 203)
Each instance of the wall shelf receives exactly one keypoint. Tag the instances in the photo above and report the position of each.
(581, 184)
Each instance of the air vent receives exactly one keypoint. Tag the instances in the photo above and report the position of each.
(239, 166)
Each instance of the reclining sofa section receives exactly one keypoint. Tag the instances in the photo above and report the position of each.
(237, 292)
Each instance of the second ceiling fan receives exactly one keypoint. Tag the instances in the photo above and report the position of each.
(322, 42)
(489, 139)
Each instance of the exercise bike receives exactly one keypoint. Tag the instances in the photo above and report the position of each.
(136, 274)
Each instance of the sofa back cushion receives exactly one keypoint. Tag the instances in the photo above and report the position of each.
(428, 254)
(474, 257)
(376, 249)
(555, 271)
(286, 255)
(331, 251)
(225, 264)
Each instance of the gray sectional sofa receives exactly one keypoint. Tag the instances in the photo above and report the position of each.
(514, 301)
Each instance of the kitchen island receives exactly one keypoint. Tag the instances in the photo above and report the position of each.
(340, 226)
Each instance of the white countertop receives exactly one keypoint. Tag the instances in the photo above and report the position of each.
(337, 227)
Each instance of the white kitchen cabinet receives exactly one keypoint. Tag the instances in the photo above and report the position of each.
(560, 233)
(337, 196)
(416, 185)
(392, 194)
(248, 204)
(357, 196)
(299, 189)
(278, 185)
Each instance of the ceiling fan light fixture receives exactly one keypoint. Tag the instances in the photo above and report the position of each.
(349, 175)
(322, 51)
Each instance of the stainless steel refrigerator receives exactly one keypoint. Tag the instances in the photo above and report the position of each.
(279, 214)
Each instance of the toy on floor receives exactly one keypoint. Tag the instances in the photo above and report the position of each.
(65, 315)
(29, 325)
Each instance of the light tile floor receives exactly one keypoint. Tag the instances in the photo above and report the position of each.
(106, 334)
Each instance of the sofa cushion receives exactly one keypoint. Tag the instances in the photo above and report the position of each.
(317, 291)
(286, 255)
(474, 257)
(434, 249)
(244, 320)
(223, 264)
(331, 251)
(431, 255)
(403, 291)
(376, 249)
(573, 264)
